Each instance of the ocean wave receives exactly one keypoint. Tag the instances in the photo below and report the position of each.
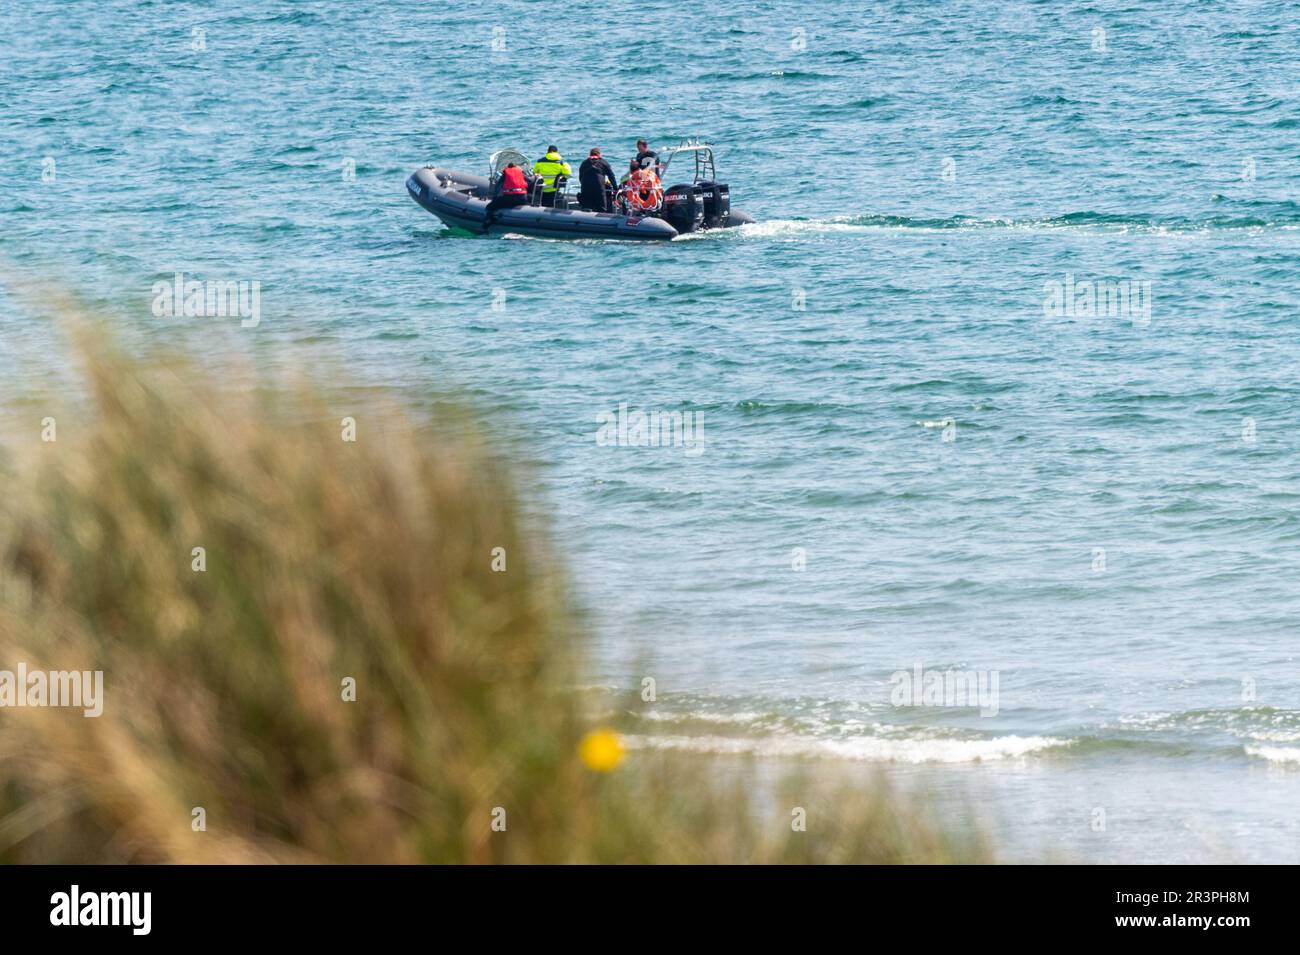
(875, 731)
(757, 407)
(859, 749)
(779, 74)
(1275, 754)
(748, 718)
(1249, 721)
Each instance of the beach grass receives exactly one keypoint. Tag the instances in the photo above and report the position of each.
(372, 658)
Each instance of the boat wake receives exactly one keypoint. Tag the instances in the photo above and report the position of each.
(1280, 216)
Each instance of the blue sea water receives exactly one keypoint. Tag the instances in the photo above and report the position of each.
(909, 455)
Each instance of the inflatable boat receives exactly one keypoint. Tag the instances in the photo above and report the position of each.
(460, 200)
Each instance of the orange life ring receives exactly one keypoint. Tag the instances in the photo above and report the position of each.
(641, 198)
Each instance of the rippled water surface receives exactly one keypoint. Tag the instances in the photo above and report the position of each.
(1102, 510)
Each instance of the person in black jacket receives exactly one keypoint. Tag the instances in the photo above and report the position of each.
(597, 183)
(645, 156)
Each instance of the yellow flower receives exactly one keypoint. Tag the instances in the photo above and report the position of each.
(602, 750)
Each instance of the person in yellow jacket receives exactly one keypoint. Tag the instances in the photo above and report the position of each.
(550, 167)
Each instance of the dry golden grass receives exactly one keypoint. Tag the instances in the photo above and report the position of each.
(326, 560)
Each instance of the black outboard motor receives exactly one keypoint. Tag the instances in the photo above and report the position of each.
(717, 204)
(683, 208)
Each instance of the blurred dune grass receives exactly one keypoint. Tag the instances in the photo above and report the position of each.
(327, 560)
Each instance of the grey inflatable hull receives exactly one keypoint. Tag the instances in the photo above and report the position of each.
(460, 200)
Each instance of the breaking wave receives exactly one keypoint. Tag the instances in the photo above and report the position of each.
(863, 748)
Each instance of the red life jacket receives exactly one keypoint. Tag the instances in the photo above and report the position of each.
(513, 182)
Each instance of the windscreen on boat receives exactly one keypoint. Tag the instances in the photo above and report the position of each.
(501, 159)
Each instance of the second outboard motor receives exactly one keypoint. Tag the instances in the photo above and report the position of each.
(683, 208)
(717, 204)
